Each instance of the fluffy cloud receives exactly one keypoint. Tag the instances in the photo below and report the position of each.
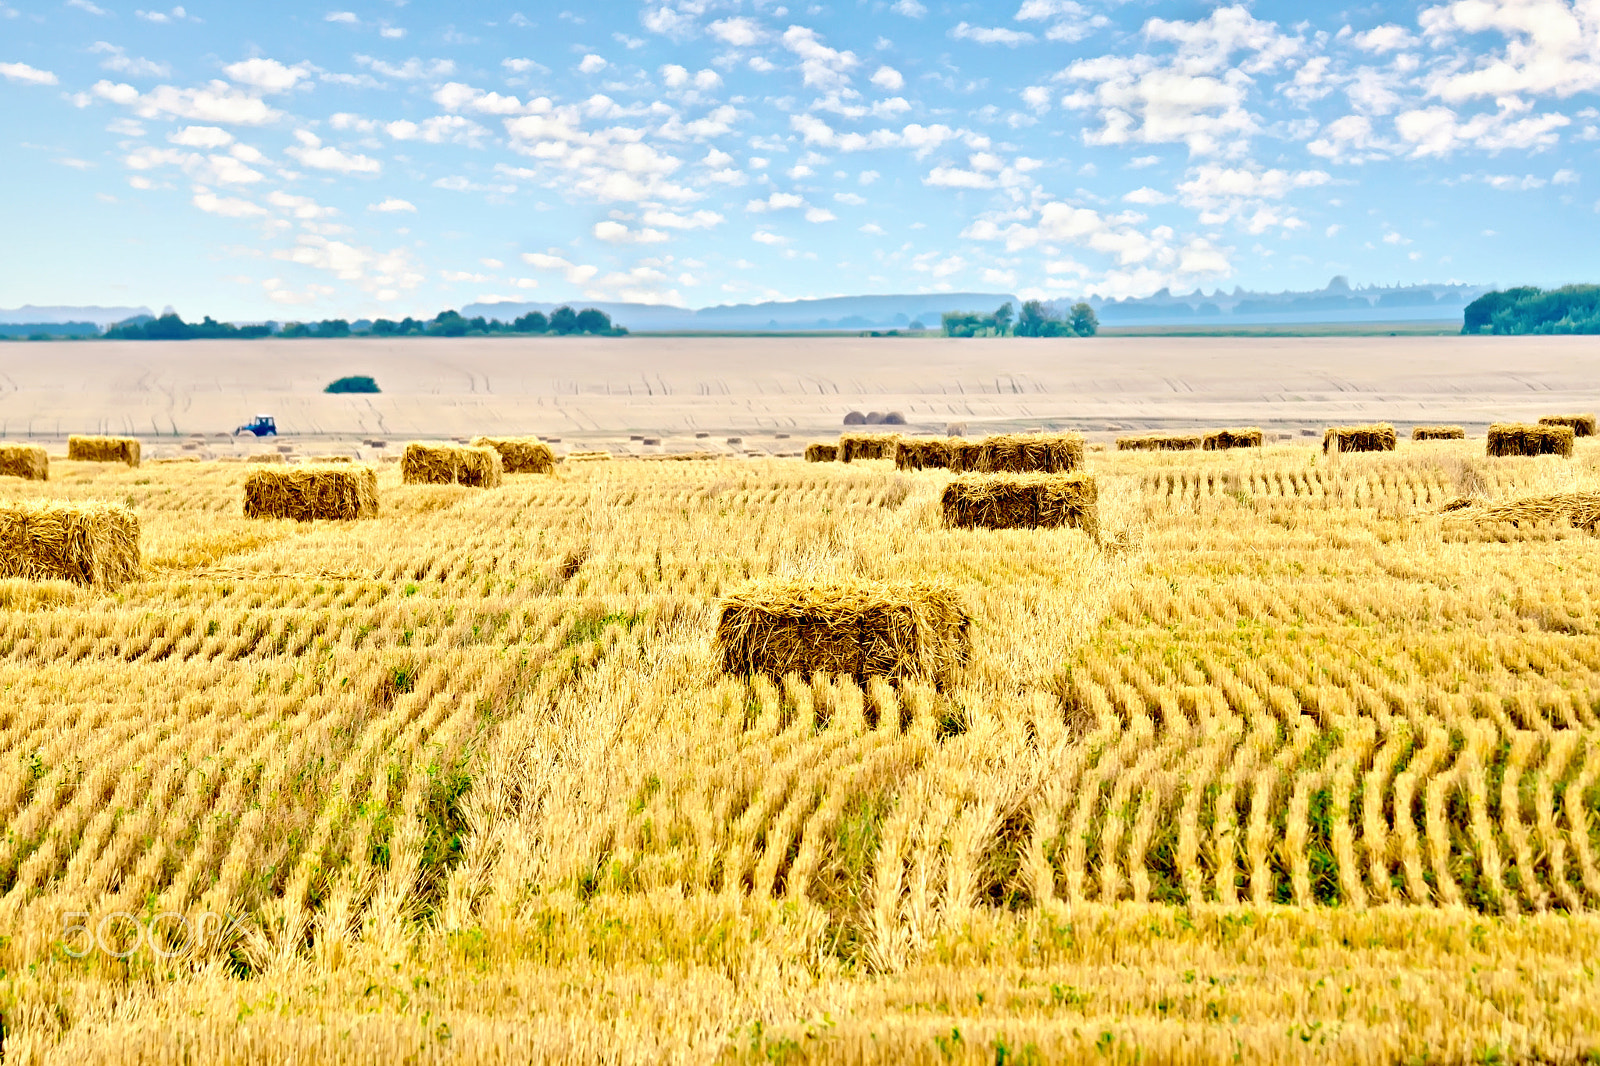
(392, 205)
(574, 273)
(311, 152)
(738, 32)
(26, 74)
(821, 67)
(1438, 131)
(218, 103)
(225, 206)
(268, 75)
(965, 31)
(1551, 48)
(888, 79)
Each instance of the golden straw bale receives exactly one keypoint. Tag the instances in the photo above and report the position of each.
(822, 453)
(1221, 440)
(682, 457)
(922, 454)
(1582, 425)
(1159, 442)
(1023, 501)
(589, 457)
(1522, 438)
(309, 492)
(268, 457)
(450, 464)
(520, 455)
(854, 627)
(25, 461)
(1377, 437)
(1019, 453)
(87, 543)
(1438, 433)
(1579, 509)
(103, 450)
(853, 446)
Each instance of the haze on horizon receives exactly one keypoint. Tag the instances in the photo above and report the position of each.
(392, 159)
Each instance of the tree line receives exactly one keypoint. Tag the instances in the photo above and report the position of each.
(563, 321)
(1529, 309)
(1036, 319)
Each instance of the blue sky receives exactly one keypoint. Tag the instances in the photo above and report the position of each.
(298, 160)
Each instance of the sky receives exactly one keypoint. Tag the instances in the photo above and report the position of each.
(303, 160)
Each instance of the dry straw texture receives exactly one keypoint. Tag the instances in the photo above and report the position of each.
(305, 493)
(103, 450)
(857, 628)
(1159, 442)
(853, 446)
(822, 453)
(270, 458)
(921, 454)
(1377, 437)
(1220, 440)
(451, 464)
(1438, 433)
(1018, 453)
(683, 457)
(1521, 438)
(1578, 509)
(1582, 425)
(520, 455)
(86, 543)
(28, 461)
(1023, 501)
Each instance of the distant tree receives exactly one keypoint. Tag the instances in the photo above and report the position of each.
(563, 320)
(354, 383)
(295, 329)
(1480, 313)
(448, 324)
(1031, 320)
(385, 328)
(532, 322)
(333, 327)
(1002, 318)
(1083, 320)
(593, 320)
(916, 323)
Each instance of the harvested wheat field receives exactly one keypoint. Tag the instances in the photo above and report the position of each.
(1299, 763)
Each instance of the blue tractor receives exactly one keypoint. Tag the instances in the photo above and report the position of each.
(263, 426)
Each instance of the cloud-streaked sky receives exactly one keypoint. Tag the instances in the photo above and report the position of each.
(296, 160)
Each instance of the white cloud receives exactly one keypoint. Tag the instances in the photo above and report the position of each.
(201, 137)
(888, 79)
(965, 31)
(26, 74)
(392, 205)
(1386, 38)
(761, 236)
(441, 129)
(1437, 131)
(778, 201)
(177, 14)
(1551, 48)
(1146, 195)
(268, 75)
(956, 178)
(413, 69)
(218, 103)
(574, 273)
(738, 32)
(820, 214)
(592, 64)
(911, 9)
(346, 17)
(225, 206)
(311, 152)
(118, 59)
(872, 229)
(90, 7)
(1564, 177)
(301, 207)
(821, 67)
(456, 96)
(849, 198)
(616, 233)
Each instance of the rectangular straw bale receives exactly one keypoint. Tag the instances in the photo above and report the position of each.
(1580, 509)
(520, 455)
(309, 492)
(683, 457)
(103, 450)
(1221, 440)
(822, 453)
(1019, 453)
(1582, 425)
(853, 446)
(89, 543)
(451, 464)
(964, 454)
(1377, 437)
(25, 461)
(854, 627)
(1023, 501)
(273, 458)
(1159, 442)
(922, 454)
(1438, 433)
(1522, 438)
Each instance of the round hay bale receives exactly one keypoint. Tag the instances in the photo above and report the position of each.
(855, 418)
(858, 628)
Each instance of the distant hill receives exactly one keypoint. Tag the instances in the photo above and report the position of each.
(1336, 302)
(837, 312)
(100, 316)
